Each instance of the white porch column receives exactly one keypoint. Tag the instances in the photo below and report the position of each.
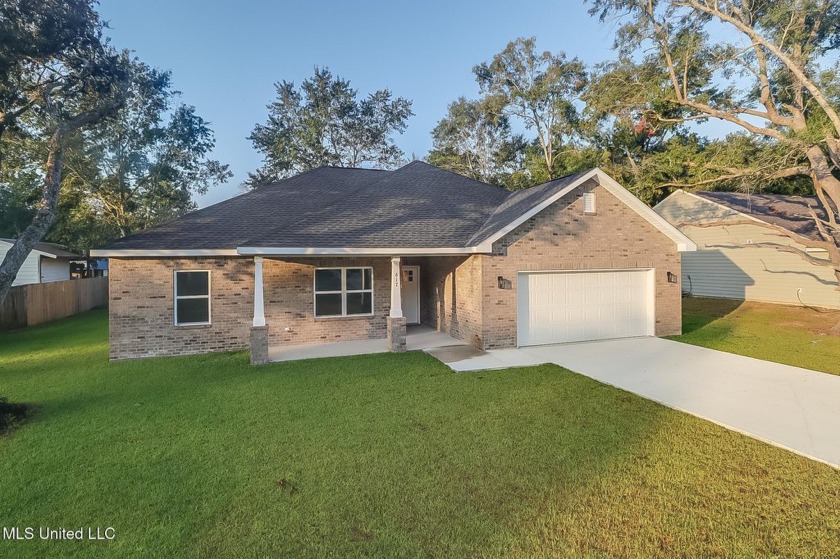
(259, 307)
(396, 284)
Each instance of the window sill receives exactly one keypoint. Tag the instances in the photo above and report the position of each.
(348, 317)
(193, 326)
(590, 213)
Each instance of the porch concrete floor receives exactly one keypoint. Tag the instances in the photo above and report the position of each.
(418, 337)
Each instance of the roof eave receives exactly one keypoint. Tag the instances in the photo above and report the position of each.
(356, 251)
(160, 253)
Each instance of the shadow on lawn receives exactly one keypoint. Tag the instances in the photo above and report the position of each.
(699, 312)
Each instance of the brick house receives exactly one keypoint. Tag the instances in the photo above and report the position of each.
(336, 255)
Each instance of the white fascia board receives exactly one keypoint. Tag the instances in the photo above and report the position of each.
(137, 253)
(348, 251)
(684, 244)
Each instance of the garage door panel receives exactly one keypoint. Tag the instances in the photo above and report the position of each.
(578, 306)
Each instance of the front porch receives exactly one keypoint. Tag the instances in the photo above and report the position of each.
(418, 337)
(310, 307)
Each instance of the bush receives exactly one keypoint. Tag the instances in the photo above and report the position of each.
(11, 414)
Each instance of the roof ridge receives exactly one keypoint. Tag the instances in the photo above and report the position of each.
(789, 196)
(351, 169)
(322, 209)
(459, 175)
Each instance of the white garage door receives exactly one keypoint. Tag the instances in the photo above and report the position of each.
(557, 307)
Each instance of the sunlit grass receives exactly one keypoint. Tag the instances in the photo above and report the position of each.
(380, 456)
(785, 334)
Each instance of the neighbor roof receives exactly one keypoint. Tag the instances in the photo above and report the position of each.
(333, 209)
(790, 212)
(50, 249)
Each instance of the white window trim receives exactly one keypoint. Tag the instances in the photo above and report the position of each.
(208, 297)
(343, 292)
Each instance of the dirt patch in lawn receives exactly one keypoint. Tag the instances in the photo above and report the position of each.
(816, 321)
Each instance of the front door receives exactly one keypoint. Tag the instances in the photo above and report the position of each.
(411, 294)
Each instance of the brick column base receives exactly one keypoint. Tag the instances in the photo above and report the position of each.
(259, 345)
(396, 334)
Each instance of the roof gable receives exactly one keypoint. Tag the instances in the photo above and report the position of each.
(556, 190)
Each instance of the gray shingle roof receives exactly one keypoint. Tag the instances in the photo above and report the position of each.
(228, 224)
(418, 205)
(790, 212)
(59, 251)
(415, 206)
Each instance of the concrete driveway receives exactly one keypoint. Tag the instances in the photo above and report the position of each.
(794, 408)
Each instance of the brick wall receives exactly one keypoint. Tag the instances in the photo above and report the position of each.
(289, 302)
(561, 237)
(141, 307)
(142, 295)
(450, 296)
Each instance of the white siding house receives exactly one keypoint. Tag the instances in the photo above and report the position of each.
(46, 263)
(724, 264)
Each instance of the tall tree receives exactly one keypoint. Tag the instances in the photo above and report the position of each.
(325, 123)
(538, 89)
(472, 142)
(55, 64)
(761, 66)
(138, 168)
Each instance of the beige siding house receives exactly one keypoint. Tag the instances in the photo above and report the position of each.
(725, 265)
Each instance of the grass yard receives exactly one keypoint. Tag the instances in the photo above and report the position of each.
(380, 456)
(786, 334)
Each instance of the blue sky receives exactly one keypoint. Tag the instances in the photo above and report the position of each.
(226, 56)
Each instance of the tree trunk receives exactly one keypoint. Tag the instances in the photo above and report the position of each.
(41, 223)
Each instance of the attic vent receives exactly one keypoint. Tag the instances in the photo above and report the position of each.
(589, 202)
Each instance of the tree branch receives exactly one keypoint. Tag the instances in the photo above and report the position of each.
(783, 248)
(736, 174)
(796, 237)
(750, 32)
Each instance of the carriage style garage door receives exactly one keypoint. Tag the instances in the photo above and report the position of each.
(557, 307)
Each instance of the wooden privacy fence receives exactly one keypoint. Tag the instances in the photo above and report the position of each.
(27, 305)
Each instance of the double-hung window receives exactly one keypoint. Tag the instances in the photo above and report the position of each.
(343, 292)
(192, 297)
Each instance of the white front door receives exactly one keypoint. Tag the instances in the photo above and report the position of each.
(557, 307)
(411, 294)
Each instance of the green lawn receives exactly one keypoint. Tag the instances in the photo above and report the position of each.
(791, 335)
(382, 456)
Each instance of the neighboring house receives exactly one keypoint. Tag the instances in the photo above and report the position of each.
(47, 262)
(338, 254)
(726, 266)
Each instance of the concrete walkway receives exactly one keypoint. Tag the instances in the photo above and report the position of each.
(793, 408)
